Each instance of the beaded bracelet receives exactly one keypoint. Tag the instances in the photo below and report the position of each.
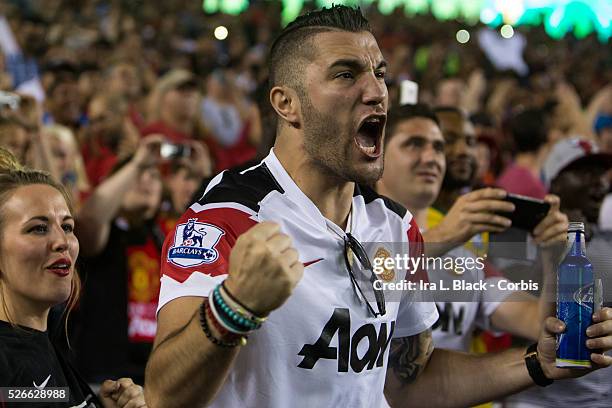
(239, 307)
(236, 319)
(225, 334)
(210, 336)
(224, 320)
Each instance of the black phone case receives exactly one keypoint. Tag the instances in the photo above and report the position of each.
(528, 212)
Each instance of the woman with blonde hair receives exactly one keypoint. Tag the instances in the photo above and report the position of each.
(67, 160)
(38, 252)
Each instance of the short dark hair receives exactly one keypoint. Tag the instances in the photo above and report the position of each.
(528, 129)
(482, 119)
(294, 42)
(401, 113)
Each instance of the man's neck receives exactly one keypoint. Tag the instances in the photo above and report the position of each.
(529, 161)
(419, 212)
(446, 199)
(333, 197)
(420, 216)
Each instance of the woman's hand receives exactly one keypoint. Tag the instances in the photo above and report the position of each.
(122, 393)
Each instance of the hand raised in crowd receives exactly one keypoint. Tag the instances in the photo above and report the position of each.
(471, 214)
(600, 341)
(263, 268)
(201, 159)
(122, 393)
(147, 152)
(129, 140)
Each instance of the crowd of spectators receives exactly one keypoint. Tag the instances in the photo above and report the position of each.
(133, 106)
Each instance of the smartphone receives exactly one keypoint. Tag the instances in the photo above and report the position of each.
(528, 212)
(169, 151)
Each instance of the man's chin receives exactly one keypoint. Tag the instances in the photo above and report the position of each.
(457, 181)
(368, 173)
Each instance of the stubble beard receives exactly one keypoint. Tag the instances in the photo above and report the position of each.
(451, 182)
(330, 146)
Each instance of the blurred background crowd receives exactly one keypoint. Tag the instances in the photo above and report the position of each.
(134, 105)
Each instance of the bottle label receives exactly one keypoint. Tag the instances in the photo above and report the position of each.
(584, 297)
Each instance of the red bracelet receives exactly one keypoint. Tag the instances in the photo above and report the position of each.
(226, 334)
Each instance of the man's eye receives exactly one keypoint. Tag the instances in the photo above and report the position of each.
(439, 147)
(345, 75)
(416, 143)
(381, 74)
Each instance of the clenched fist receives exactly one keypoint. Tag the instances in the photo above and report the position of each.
(263, 268)
(122, 393)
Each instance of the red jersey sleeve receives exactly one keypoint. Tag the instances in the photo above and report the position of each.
(417, 249)
(195, 256)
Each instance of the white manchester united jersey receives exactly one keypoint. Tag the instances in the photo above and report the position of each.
(322, 348)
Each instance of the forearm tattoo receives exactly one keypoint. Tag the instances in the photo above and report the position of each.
(409, 355)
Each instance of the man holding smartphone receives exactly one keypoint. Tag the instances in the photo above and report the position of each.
(416, 159)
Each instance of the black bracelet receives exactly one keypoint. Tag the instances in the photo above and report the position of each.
(534, 368)
(209, 334)
(240, 303)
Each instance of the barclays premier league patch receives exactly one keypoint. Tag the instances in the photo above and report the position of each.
(194, 244)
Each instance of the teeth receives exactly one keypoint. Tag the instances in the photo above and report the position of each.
(369, 150)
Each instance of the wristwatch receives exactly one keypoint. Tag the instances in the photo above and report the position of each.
(534, 368)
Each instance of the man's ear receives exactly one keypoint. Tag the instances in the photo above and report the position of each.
(285, 102)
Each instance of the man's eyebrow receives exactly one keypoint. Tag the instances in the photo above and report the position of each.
(355, 64)
(451, 134)
(415, 136)
(347, 62)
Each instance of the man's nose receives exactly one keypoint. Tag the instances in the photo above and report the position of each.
(375, 92)
(429, 154)
(458, 146)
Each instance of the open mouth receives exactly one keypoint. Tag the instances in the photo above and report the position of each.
(369, 135)
(60, 267)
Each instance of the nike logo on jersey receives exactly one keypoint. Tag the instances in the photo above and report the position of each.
(346, 352)
(43, 385)
(312, 262)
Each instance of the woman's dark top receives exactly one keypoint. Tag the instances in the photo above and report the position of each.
(29, 359)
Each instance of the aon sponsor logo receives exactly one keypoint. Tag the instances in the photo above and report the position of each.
(346, 353)
(449, 314)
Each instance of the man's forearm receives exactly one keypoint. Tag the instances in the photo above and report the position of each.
(454, 379)
(187, 369)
